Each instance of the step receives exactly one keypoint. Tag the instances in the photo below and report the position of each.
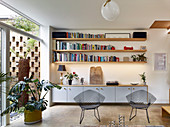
(165, 111)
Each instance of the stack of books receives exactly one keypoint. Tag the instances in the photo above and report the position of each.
(83, 35)
(59, 45)
(79, 57)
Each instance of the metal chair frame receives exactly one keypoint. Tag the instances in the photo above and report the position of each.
(140, 99)
(89, 100)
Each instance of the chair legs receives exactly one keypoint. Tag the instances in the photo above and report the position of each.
(83, 112)
(82, 115)
(131, 117)
(98, 116)
(147, 115)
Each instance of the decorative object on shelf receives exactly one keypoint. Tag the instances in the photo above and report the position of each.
(37, 103)
(125, 59)
(134, 83)
(128, 48)
(96, 75)
(139, 34)
(82, 81)
(142, 47)
(70, 77)
(134, 57)
(61, 68)
(160, 61)
(117, 35)
(112, 83)
(143, 77)
(142, 57)
(110, 10)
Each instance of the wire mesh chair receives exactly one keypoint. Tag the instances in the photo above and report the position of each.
(140, 100)
(89, 100)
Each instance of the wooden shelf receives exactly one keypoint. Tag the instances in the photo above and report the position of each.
(100, 50)
(69, 62)
(100, 39)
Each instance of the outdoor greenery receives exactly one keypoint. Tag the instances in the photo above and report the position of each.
(36, 103)
(20, 22)
(4, 77)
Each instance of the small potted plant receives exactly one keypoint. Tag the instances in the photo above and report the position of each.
(143, 77)
(134, 58)
(37, 102)
(70, 77)
(142, 57)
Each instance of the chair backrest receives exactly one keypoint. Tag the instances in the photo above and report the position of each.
(141, 96)
(89, 96)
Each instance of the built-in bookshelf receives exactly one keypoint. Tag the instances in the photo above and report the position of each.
(100, 39)
(76, 53)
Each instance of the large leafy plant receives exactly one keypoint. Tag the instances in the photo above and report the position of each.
(37, 101)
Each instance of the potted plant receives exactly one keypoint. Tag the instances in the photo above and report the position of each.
(142, 57)
(37, 103)
(70, 77)
(143, 77)
(134, 57)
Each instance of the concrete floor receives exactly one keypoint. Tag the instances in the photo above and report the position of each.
(68, 115)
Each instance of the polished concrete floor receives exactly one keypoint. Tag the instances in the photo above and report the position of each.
(68, 115)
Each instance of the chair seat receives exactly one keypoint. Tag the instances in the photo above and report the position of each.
(139, 105)
(89, 106)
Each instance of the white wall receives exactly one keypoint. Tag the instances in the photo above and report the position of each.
(157, 42)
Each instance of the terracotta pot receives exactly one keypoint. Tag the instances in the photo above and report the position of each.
(24, 69)
(32, 117)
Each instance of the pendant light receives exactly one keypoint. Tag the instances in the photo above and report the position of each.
(110, 10)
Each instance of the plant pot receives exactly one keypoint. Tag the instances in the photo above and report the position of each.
(32, 117)
(24, 69)
(70, 82)
(134, 60)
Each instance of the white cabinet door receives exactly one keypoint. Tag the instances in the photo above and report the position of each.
(121, 93)
(72, 92)
(138, 88)
(59, 95)
(109, 93)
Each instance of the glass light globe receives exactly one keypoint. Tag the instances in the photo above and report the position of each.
(111, 11)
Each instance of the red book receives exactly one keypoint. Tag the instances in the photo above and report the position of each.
(117, 59)
(66, 34)
(101, 47)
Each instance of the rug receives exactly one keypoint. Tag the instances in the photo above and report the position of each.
(125, 126)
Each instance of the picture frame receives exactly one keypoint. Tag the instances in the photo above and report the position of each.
(160, 61)
(117, 35)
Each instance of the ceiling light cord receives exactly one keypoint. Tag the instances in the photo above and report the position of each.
(107, 2)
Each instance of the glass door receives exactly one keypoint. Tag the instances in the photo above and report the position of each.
(0, 84)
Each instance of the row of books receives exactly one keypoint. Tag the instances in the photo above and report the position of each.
(64, 57)
(83, 35)
(59, 45)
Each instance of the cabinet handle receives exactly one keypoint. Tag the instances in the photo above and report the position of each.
(101, 88)
(64, 88)
(133, 88)
(128, 88)
(97, 89)
(69, 88)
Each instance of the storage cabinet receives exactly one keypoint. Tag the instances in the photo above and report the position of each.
(113, 94)
(121, 93)
(72, 92)
(59, 95)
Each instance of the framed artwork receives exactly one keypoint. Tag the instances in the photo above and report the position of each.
(160, 61)
(117, 35)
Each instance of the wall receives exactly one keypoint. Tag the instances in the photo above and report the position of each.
(157, 42)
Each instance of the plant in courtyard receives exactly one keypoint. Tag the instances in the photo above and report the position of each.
(143, 77)
(70, 76)
(4, 77)
(37, 101)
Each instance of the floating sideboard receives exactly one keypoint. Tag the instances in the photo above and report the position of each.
(113, 94)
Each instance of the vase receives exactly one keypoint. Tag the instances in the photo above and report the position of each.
(32, 117)
(70, 82)
(24, 69)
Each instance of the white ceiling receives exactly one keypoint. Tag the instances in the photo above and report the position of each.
(86, 14)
